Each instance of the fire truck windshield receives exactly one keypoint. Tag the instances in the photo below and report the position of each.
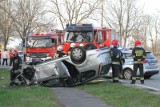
(78, 36)
(38, 42)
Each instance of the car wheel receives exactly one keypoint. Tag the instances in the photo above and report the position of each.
(78, 55)
(90, 46)
(147, 76)
(127, 74)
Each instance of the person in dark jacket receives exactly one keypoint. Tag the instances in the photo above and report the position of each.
(139, 56)
(17, 64)
(71, 47)
(117, 58)
(59, 52)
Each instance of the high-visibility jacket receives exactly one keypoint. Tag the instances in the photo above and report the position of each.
(138, 54)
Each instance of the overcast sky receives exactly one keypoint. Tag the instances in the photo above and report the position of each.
(150, 6)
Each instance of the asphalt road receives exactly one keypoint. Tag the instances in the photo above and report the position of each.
(153, 82)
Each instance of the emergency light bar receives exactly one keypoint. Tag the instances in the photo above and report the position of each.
(79, 27)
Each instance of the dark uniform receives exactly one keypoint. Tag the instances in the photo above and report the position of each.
(117, 58)
(138, 55)
(59, 54)
(17, 64)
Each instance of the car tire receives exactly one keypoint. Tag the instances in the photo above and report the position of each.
(147, 76)
(127, 74)
(90, 46)
(78, 55)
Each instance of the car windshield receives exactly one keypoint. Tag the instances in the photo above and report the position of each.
(150, 56)
(78, 36)
(38, 42)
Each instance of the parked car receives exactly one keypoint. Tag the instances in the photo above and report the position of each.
(150, 66)
(81, 66)
(21, 54)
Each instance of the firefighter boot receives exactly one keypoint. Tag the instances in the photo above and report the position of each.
(142, 81)
(133, 82)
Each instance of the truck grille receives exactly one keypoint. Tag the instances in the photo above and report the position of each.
(38, 55)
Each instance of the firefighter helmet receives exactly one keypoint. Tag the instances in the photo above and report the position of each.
(59, 48)
(81, 45)
(15, 52)
(115, 42)
(137, 43)
(72, 45)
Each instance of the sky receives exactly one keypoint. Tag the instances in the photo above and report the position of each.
(150, 6)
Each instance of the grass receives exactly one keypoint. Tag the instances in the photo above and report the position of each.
(31, 96)
(120, 95)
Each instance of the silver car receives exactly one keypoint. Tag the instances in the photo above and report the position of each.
(81, 66)
(150, 66)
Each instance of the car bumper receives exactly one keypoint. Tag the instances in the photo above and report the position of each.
(151, 72)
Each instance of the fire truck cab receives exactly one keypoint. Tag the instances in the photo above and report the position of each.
(88, 36)
(42, 46)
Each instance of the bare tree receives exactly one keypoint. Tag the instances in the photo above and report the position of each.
(28, 16)
(73, 11)
(124, 16)
(6, 23)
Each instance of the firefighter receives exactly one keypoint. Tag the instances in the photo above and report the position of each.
(59, 52)
(117, 58)
(71, 46)
(138, 55)
(17, 64)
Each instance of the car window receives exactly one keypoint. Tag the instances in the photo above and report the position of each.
(20, 53)
(128, 55)
(149, 56)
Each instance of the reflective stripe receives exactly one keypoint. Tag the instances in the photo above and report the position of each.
(57, 55)
(138, 62)
(142, 78)
(69, 53)
(133, 78)
(118, 63)
(117, 56)
(116, 78)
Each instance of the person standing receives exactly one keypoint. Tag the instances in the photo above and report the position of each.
(59, 52)
(117, 58)
(138, 55)
(11, 57)
(17, 65)
(5, 57)
(71, 47)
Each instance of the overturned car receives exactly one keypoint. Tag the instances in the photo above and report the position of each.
(80, 67)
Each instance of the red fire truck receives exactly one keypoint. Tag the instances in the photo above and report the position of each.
(42, 46)
(87, 35)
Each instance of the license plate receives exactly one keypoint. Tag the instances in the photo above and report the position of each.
(152, 63)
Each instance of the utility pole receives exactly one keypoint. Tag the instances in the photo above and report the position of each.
(102, 13)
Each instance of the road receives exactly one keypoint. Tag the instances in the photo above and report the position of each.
(153, 82)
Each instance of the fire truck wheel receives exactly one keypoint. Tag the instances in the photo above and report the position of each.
(78, 55)
(90, 46)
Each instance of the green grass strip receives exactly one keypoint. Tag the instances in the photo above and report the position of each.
(120, 95)
(30, 96)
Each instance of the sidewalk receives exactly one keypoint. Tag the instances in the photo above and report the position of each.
(72, 97)
(2, 67)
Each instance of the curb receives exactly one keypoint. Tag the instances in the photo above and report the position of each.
(142, 86)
